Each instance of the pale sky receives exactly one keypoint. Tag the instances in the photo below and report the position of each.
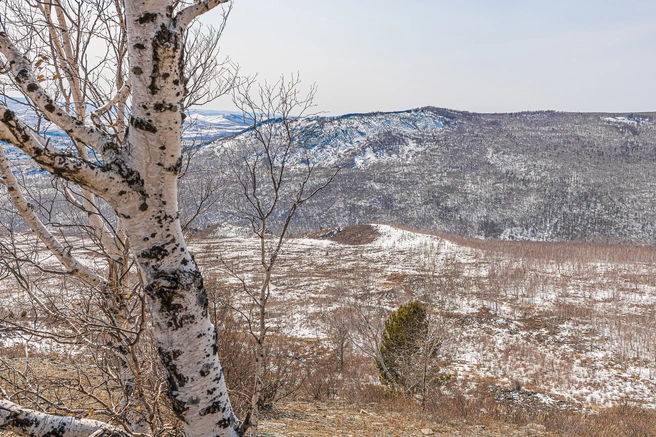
(474, 55)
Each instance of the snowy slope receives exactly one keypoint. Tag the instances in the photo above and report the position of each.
(208, 125)
(360, 140)
(200, 126)
(534, 175)
(573, 329)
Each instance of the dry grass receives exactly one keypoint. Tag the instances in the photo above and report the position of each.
(351, 235)
(577, 251)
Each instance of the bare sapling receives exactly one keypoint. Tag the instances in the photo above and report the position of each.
(273, 172)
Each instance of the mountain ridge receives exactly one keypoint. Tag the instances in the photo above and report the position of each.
(534, 175)
(531, 175)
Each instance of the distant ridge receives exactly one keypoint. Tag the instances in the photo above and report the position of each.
(533, 175)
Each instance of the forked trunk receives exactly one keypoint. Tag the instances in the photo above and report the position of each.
(139, 179)
(186, 338)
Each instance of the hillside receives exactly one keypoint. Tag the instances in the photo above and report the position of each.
(569, 321)
(544, 176)
(538, 176)
(542, 338)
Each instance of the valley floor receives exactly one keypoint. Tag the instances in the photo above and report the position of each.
(571, 322)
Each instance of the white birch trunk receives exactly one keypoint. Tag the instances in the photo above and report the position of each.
(140, 182)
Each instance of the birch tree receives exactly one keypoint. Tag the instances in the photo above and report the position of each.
(274, 171)
(127, 153)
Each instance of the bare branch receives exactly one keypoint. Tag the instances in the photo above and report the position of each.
(188, 14)
(118, 98)
(69, 261)
(70, 167)
(22, 73)
(28, 422)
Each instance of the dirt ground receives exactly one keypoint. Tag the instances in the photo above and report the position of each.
(334, 419)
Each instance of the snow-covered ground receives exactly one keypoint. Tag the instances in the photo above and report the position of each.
(575, 330)
(210, 125)
(631, 120)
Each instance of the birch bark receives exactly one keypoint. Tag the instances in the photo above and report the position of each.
(24, 421)
(139, 179)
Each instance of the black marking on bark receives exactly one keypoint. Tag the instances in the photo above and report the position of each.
(227, 423)
(139, 46)
(206, 369)
(215, 407)
(110, 146)
(165, 37)
(8, 116)
(142, 124)
(155, 253)
(131, 177)
(137, 70)
(148, 17)
(175, 168)
(184, 262)
(166, 44)
(56, 432)
(22, 76)
(50, 107)
(164, 218)
(153, 235)
(187, 319)
(175, 380)
(23, 423)
(161, 107)
(143, 207)
(201, 298)
(32, 87)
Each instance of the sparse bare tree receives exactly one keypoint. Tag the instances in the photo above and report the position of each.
(119, 165)
(273, 170)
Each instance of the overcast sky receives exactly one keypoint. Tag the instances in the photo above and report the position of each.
(474, 55)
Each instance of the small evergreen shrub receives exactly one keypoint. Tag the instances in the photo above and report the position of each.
(402, 335)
